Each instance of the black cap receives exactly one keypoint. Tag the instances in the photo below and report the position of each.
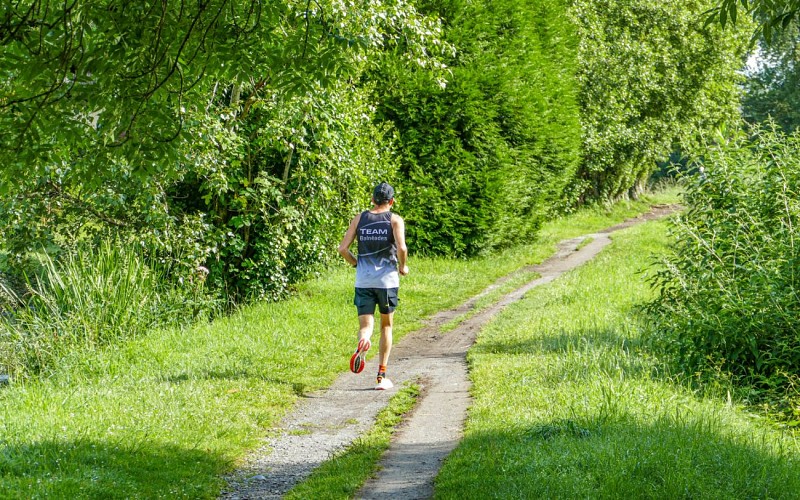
(383, 193)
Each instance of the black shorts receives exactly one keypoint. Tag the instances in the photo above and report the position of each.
(366, 299)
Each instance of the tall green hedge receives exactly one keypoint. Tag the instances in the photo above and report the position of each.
(485, 158)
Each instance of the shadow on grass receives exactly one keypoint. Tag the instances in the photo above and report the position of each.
(582, 353)
(298, 388)
(617, 458)
(610, 453)
(564, 341)
(94, 469)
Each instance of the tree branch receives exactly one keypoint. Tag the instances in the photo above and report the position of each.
(83, 205)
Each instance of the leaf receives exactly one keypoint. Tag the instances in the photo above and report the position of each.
(787, 19)
(237, 222)
(711, 16)
(733, 9)
(766, 30)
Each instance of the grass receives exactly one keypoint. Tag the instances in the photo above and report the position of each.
(584, 242)
(95, 297)
(568, 403)
(487, 300)
(343, 475)
(166, 414)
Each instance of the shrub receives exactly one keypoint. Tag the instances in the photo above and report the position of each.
(278, 186)
(728, 293)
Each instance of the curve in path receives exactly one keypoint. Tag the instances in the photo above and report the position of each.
(327, 422)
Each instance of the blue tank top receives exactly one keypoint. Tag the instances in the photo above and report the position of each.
(377, 252)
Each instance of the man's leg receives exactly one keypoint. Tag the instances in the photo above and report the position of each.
(386, 338)
(365, 325)
(359, 358)
(365, 302)
(385, 349)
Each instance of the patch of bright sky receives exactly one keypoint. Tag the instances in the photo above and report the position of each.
(755, 62)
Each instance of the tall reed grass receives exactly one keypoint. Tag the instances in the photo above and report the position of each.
(86, 300)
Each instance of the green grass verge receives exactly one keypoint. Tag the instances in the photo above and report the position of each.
(568, 404)
(490, 298)
(584, 242)
(342, 476)
(164, 415)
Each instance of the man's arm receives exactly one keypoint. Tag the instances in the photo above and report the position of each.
(347, 240)
(399, 230)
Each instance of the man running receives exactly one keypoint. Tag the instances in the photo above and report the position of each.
(382, 255)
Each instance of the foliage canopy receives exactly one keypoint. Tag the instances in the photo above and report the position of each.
(772, 88)
(652, 78)
(225, 134)
(770, 16)
(241, 136)
(89, 82)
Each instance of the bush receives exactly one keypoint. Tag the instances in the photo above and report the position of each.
(278, 186)
(728, 294)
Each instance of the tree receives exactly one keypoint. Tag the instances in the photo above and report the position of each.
(191, 127)
(652, 77)
(770, 16)
(485, 159)
(772, 88)
(89, 82)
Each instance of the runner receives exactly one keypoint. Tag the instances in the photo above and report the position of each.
(382, 255)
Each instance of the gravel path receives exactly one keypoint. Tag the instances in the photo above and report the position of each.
(327, 422)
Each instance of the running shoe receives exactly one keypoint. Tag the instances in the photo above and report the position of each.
(383, 384)
(358, 360)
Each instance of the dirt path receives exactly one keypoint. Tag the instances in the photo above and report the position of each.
(327, 422)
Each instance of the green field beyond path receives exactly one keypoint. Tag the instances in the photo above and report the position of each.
(569, 405)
